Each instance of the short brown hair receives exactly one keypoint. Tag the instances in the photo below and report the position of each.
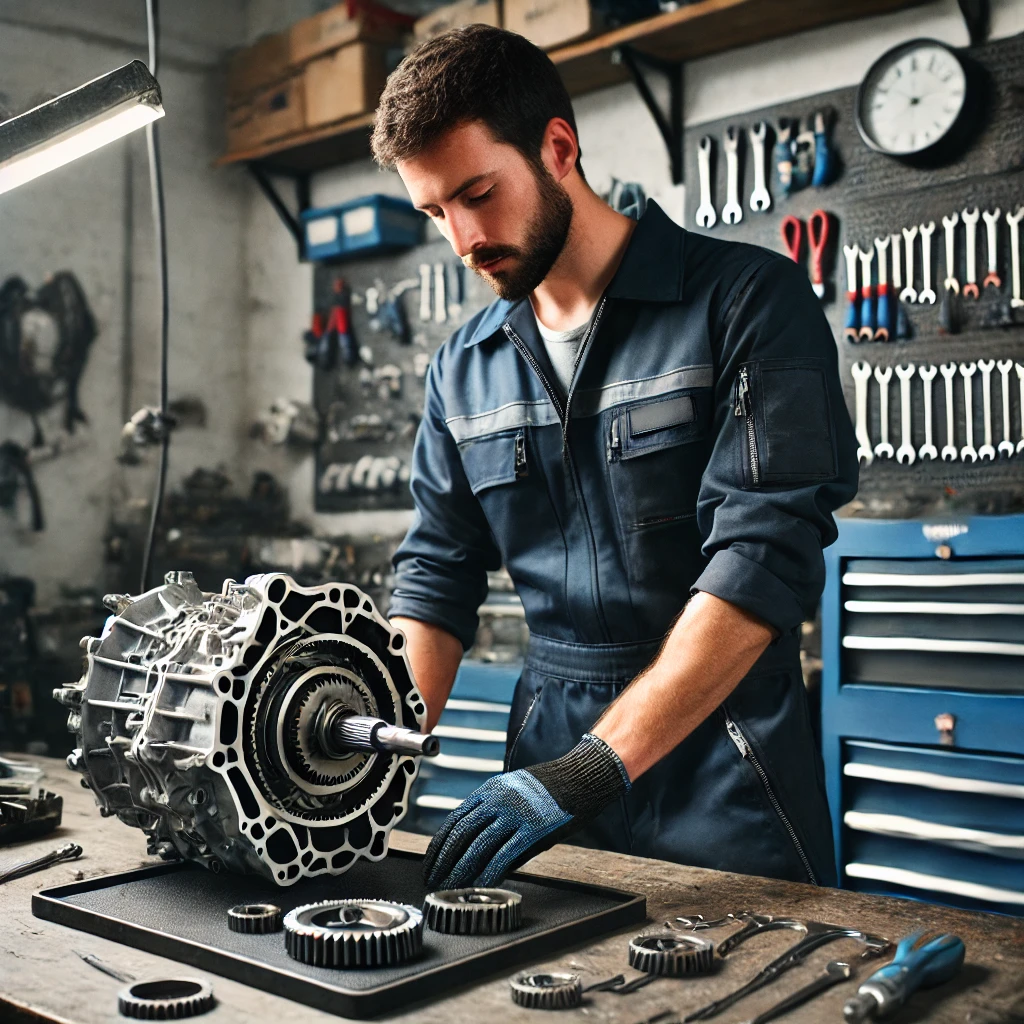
(476, 73)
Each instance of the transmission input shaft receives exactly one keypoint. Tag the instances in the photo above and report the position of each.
(340, 732)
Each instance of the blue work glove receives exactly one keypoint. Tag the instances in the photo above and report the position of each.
(515, 816)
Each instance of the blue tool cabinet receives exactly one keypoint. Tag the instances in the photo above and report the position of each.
(472, 734)
(923, 708)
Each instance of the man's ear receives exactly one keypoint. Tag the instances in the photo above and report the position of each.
(559, 148)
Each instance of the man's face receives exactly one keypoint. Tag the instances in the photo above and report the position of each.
(505, 218)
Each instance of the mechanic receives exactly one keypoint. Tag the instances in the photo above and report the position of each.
(647, 428)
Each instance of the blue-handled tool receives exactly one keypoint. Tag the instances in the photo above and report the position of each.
(917, 964)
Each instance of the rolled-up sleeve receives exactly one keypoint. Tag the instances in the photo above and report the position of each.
(441, 566)
(784, 455)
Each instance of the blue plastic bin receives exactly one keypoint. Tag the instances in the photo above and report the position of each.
(361, 227)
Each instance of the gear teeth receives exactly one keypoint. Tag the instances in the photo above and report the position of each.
(473, 911)
(380, 933)
(547, 991)
(255, 918)
(166, 999)
(672, 955)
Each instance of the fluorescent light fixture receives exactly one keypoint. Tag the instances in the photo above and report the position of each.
(63, 129)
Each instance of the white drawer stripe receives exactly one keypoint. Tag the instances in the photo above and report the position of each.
(458, 704)
(933, 832)
(936, 883)
(915, 643)
(465, 732)
(931, 780)
(892, 579)
(457, 763)
(934, 608)
(438, 803)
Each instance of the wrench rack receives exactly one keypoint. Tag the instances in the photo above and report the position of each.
(872, 197)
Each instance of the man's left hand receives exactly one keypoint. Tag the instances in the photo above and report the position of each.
(515, 816)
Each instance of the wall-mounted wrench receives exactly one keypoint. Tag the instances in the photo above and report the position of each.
(900, 324)
(992, 248)
(1004, 366)
(852, 311)
(906, 453)
(967, 452)
(861, 375)
(760, 200)
(909, 293)
(970, 219)
(927, 375)
(425, 277)
(706, 215)
(732, 212)
(883, 449)
(883, 314)
(987, 452)
(867, 295)
(1020, 379)
(927, 293)
(1016, 302)
(951, 283)
(949, 451)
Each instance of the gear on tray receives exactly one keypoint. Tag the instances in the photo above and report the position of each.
(473, 911)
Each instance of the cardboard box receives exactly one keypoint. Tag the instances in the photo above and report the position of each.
(271, 114)
(344, 83)
(465, 12)
(263, 64)
(354, 21)
(551, 23)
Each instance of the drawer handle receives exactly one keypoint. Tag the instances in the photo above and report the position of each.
(934, 883)
(926, 780)
(950, 835)
(890, 579)
(915, 643)
(933, 608)
(945, 723)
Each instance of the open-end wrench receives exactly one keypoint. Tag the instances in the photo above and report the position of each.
(425, 291)
(897, 273)
(1014, 220)
(906, 453)
(949, 451)
(706, 215)
(867, 295)
(852, 312)
(1020, 378)
(861, 375)
(760, 200)
(992, 247)
(967, 452)
(927, 375)
(927, 293)
(440, 299)
(882, 315)
(883, 449)
(951, 283)
(970, 219)
(1004, 366)
(732, 212)
(987, 452)
(909, 293)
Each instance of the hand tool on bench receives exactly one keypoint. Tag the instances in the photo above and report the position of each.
(882, 317)
(815, 935)
(69, 851)
(850, 330)
(991, 220)
(705, 215)
(920, 962)
(760, 200)
(867, 295)
(970, 219)
(835, 972)
(817, 240)
(732, 212)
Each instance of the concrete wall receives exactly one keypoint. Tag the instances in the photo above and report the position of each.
(75, 219)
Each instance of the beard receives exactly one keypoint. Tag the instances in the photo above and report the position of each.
(546, 235)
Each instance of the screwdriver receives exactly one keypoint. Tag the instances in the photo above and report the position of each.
(914, 966)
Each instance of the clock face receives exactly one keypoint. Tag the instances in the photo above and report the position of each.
(911, 98)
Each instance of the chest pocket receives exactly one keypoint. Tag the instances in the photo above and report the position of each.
(653, 426)
(494, 460)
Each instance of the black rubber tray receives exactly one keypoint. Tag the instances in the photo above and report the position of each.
(180, 911)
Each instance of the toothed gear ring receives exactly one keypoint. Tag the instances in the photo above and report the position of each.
(166, 999)
(671, 955)
(353, 933)
(547, 991)
(255, 918)
(473, 911)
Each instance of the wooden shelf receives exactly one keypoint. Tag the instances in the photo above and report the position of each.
(695, 30)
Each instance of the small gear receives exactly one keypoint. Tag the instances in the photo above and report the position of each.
(547, 991)
(473, 911)
(255, 918)
(671, 954)
(353, 933)
(166, 999)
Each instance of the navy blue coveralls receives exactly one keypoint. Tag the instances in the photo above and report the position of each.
(705, 447)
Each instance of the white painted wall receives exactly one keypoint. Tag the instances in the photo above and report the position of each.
(74, 219)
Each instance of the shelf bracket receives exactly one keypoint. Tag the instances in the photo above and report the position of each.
(670, 122)
(290, 220)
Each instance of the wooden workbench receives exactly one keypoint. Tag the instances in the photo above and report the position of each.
(42, 978)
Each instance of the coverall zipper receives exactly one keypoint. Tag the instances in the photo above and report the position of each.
(745, 407)
(522, 467)
(736, 735)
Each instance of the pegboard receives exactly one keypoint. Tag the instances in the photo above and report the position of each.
(873, 196)
(345, 397)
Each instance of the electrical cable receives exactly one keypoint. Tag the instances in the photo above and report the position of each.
(156, 188)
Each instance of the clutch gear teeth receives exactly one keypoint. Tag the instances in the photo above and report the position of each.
(353, 933)
(473, 911)
(547, 991)
(672, 955)
(255, 918)
(166, 999)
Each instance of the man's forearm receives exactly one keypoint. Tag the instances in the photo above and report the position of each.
(434, 655)
(709, 650)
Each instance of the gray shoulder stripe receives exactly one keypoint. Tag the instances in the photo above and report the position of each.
(596, 400)
(505, 417)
